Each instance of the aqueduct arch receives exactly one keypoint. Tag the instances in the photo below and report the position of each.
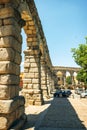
(63, 70)
(38, 74)
(37, 59)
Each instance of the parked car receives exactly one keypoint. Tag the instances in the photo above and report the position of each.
(58, 93)
(62, 93)
(79, 91)
(83, 94)
(66, 93)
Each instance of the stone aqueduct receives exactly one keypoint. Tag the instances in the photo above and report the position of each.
(63, 70)
(15, 15)
(39, 76)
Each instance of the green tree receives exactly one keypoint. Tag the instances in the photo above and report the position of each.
(80, 57)
(82, 77)
(68, 80)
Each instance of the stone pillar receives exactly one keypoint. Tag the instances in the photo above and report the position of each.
(44, 77)
(64, 78)
(53, 81)
(49, 81)
(32, 77)
(72, 77)
(11, 104)
(60, 80)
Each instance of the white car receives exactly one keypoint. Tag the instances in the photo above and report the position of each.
(83, 94)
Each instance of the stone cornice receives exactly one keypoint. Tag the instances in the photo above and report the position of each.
(63, 68)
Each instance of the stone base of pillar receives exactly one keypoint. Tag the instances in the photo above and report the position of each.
(32, 97)
(12, 112)
(45, 95)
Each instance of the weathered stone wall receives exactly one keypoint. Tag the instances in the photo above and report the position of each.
(11, 104)
(37, 59)
(44, 77)
(31, 82)
(14, 14)
(32, 71)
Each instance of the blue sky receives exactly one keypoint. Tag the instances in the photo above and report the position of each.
(65, 26)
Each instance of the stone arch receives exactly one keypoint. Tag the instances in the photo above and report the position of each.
(61, 77)
(64, 70)
(31, 81)
(36, 57)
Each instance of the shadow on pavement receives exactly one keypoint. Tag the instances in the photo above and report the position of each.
(60, 114)
(33, 118)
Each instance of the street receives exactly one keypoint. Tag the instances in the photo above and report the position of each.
(59, 114)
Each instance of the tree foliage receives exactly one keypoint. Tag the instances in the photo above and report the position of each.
(80, 57)
(68, 80)
(82, 76)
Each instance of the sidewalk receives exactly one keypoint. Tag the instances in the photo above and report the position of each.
(56, 114)
(35, 115)
(61, 116)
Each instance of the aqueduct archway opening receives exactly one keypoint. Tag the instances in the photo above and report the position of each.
(62, 73)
